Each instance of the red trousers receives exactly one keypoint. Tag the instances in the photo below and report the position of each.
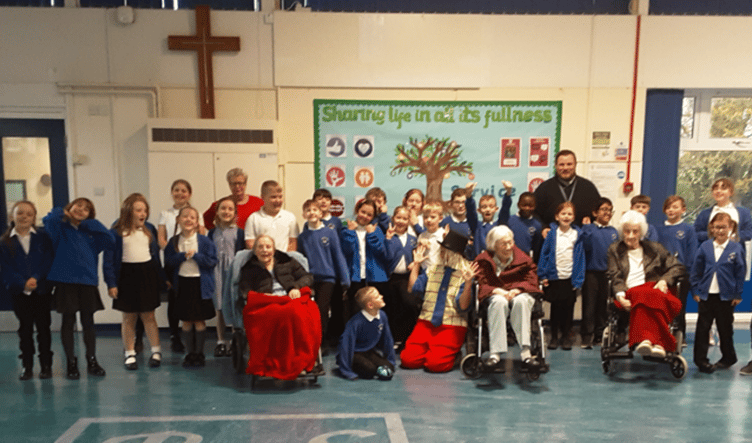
(651, 314)
(433, 348)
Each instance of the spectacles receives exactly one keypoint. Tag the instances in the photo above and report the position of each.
(237, 183)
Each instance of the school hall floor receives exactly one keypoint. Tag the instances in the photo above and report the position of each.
(575, 401)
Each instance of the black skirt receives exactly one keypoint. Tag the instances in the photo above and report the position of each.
(190, 305)
(74, 297)
(138, 288)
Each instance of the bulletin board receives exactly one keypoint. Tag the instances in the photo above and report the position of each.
(435, 146)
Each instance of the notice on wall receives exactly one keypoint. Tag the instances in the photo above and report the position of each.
(608, 178)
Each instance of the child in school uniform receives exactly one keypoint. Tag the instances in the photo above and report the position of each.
(366, 349)
(717, 282)
(320, 244)
(228, 240)
(679, 239)
(192, 258)
(641, 204)
(447, 293)
(433, 235)
(77, 238)
(561, 270)
(403, 307)
(414, 201)
(596, 238)
(181, 192)
(458, 220)
(323, 197)
(526, 228)
(365, 251)
(25, 260)
(487, 209)
(378, 196)
(272, 220)
(723, 191)
(134, 277)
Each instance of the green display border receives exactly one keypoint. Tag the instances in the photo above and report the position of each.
(318, 102)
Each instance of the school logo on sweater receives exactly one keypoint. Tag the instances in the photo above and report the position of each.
(731, 257)
(324, 241)
(680, 234)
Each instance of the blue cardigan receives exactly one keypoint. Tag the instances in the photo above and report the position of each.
(730, 269)
(325, 258)
(396, 251)
(595, 242)
(547, 263)
(376, 257)
(17, 267)
(112, 259)
(76, 249)
(205, 257)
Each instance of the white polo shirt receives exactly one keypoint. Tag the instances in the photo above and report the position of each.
(281, 227)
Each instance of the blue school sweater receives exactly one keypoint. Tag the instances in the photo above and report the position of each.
(76, 249)
(744, 228)
(681, 240)
(332, 223)
(730, 270)
(652, 234)
(547, 262)
(325, 258)
(479, 227)
(595, 241)
(376, 257)
(396, 251)
(17, 267)
(362, 335)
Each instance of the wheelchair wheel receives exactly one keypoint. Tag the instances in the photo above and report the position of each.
(678, 367)
(470, 366)
(533, 375)
(239, 348)
(606, 365)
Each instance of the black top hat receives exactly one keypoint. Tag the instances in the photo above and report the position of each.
(455, 242)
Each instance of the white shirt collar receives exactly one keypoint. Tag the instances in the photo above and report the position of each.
(667, 223)
(721, 246)
(14, 232)
(370, 317)
(457, 220)
(599, 225)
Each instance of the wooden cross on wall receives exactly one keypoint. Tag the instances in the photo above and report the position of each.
(204, 44)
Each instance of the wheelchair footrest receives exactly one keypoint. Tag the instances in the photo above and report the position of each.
(619, 355)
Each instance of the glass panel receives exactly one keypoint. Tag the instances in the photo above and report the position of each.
(699, 169)
(731, 117)
(26, 164)
(688, 117)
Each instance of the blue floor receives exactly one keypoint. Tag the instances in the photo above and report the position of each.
(640, 402)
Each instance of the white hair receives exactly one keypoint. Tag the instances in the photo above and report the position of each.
(497, 233)
(632, 218)
(236, 172)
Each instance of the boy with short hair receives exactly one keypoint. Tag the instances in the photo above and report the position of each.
(487, 209)
(641, 204)
(526, 228)
(382, 217)
(272, 220)
(323, 197)
(596, 238)
(366, 348)
(461, 204)
(320, 244)
(433, 235)
(680, 239)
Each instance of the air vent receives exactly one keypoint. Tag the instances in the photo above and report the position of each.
(183, 135)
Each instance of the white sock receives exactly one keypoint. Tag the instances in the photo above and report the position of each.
(156, 352)
(130, 354)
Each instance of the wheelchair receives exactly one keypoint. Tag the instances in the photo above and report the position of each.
(614, 347)
(476, 341)
(239, 346)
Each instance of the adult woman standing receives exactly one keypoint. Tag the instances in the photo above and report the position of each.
(246, 204)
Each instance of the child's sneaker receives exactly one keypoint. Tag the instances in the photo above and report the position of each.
(384, 373)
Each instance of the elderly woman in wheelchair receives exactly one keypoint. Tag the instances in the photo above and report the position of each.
(281, 320)
(641, 273)
(507, 279)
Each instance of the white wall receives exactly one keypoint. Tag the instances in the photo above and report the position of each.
(287, 59)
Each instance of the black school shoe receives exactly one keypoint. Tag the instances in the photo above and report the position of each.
(720, 364)
(176, 344)
(73, 373)
(45, 373)
(26, 374)
(93, 368)
(188, 361)
(706, 367)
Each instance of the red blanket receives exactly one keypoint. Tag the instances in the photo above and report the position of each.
(284, 335)
(651, 314)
